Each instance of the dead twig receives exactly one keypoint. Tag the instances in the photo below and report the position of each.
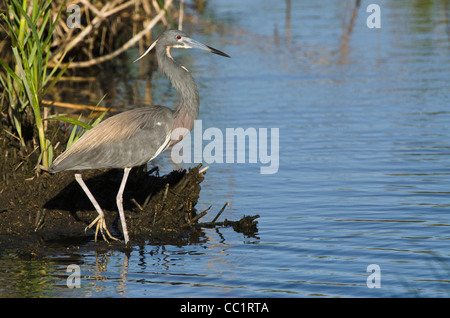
(180, 17)
(166, 190)
(76, 106)
(203, 170)
(137, 204)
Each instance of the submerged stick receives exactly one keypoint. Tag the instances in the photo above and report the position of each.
(246, 223)
(200, 215)
(220, 212)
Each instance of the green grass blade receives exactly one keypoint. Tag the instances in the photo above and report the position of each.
(9, 71)
(72, 121)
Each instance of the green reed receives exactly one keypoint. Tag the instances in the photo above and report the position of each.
(29, 78)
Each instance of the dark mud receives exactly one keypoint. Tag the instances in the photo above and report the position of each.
(37, 209)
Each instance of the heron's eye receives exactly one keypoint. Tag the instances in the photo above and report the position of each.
(178, 37)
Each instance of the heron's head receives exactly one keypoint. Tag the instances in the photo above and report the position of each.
(179, 39)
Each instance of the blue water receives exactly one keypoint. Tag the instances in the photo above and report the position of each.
(364, 161)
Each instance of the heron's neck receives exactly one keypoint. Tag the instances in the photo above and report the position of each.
(182, 80)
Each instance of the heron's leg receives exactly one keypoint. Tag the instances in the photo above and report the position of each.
(119, 200)
(100, 219)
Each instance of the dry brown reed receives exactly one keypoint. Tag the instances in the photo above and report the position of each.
(93, 32)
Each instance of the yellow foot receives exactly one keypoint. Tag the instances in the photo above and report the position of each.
(101, 225)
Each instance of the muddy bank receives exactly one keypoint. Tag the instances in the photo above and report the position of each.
(48, 207)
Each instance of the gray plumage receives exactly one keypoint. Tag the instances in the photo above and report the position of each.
(134, 137)
(111, 144)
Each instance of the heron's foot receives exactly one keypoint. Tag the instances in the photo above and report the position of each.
(101, 225)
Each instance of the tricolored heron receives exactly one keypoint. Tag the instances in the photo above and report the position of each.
(137, 136)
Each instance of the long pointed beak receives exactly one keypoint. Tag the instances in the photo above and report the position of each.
(146, 52)
(188, 43)
(197, 45)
